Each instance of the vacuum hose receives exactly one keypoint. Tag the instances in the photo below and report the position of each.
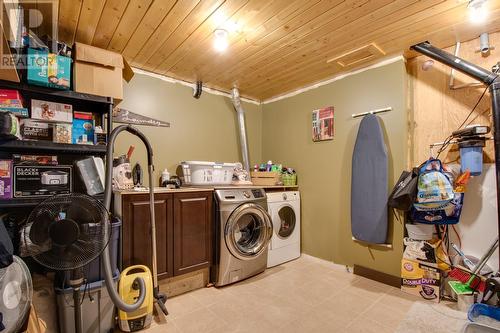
(115, 297)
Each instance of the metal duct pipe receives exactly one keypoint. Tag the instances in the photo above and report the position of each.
(474, 71)
(241, 128)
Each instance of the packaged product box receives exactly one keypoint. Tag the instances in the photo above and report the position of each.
(5, 179)
(42, 180)
(420, 279)
(18, 112)
(51, 111)
(10, 98)
(62, 133)
(35, 159)
(8, 70)
(99, 72)
(48, 69)
(36, 130)
(83, 128)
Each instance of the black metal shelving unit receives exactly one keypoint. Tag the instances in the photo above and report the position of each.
(81, 102)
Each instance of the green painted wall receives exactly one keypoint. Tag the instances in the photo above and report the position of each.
(202, 129)
(324, 168)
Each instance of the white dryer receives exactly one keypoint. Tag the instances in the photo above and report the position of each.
(284, 208)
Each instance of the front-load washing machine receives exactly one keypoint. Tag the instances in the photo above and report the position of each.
(243, 231)
(284, 208)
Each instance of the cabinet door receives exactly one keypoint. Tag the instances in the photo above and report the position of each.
(192, 231)
(137, 247)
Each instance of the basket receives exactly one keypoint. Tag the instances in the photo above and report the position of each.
(207, 173)
(289, 179)
(265, 178)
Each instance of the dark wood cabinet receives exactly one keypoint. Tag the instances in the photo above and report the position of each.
(183, 231)
(192, 231)
(136, 244)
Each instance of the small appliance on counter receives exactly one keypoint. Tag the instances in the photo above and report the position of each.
(122, 171)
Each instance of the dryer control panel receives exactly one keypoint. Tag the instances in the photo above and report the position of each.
(237, 195)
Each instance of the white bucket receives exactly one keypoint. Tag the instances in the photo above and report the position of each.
(419, 231)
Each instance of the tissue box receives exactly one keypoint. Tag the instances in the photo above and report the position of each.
(420, 279)
(5, 179)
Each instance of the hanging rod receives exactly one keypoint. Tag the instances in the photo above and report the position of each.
(437, 144)
(387, 109)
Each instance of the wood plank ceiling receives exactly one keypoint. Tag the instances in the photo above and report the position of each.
(276, 46)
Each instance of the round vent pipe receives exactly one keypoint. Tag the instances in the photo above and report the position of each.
(241, 128)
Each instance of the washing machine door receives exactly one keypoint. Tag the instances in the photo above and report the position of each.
(248, 231)
(284, 222)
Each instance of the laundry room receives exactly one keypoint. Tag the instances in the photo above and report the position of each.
(249, 166)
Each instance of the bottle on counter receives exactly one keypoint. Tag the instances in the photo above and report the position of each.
(269, 165)
(165, 175)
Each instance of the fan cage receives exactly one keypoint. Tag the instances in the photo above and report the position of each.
(93, 231)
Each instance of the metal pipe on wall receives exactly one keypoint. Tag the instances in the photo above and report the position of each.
(241, 128)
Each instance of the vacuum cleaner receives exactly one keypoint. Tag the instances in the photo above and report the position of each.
(134, 315)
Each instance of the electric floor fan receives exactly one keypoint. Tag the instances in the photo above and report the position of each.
(16, 291)
(65, 233)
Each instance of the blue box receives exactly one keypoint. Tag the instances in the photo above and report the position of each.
(83, 128)
(48, 69)
(18, 112)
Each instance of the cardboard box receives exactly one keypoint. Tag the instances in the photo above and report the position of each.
(420, 279)
(18, 112)
(48, 69)
(8, 70)
(83, 128)
(36, 130)
(99, 72)
(62, 133)
(51, 111)
(35, 159)
(5, 179)
(42, 180)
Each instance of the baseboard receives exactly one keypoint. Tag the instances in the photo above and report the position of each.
(391, 280)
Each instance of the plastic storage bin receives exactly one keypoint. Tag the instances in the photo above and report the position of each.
(94, 271)
(207, 173)
(98, 315)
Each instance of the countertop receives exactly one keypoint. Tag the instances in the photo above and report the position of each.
(165, 190)
(203, 188)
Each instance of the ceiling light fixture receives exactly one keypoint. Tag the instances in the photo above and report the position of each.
(478, 11)
(220, 40)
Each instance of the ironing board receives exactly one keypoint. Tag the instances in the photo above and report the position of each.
(369, 183)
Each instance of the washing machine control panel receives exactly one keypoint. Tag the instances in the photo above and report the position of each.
(240, 194)
(257, 193)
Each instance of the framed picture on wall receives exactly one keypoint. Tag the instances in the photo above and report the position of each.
(323, 124)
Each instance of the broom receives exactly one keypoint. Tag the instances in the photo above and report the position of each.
(468, 283)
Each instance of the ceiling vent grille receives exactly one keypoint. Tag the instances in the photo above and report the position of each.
(357, 56)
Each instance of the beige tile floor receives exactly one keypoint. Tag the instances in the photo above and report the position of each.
(304, 295)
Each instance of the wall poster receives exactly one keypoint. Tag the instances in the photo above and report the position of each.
(322, 124)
